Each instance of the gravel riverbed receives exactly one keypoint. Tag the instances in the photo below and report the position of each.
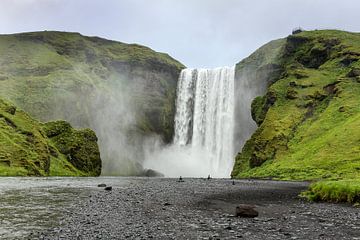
(162, 208)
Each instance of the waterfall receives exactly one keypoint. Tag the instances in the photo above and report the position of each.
(204, 119)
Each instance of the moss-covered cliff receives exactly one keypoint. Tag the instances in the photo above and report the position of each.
(309, 118)
(31, 148)
(122, 91)
(52, 74)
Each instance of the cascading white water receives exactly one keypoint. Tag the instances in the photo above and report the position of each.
(206, 134)
(204, 117)
(184, 102)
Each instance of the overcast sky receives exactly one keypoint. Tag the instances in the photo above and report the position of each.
(199, 33)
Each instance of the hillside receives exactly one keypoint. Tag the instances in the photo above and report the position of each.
(125, 92)
(31, 148)
(309, 118)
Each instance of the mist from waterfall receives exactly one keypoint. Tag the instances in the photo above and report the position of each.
(204, 126)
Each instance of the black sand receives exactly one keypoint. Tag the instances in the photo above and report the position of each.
(202, 209)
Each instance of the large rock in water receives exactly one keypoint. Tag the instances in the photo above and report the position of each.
(124, 92)
(31, 148)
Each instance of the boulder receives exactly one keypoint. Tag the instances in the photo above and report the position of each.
(246, 211)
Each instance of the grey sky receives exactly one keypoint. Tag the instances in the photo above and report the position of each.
(199, 33)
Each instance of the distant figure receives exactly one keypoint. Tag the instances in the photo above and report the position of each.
(233, 182)
(180, 179)
(209, 177)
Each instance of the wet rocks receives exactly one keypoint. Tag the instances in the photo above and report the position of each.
(246, 211)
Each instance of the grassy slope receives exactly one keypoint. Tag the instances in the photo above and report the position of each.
(53, 74)
(309, 120)
(93, 83)
(25, 151)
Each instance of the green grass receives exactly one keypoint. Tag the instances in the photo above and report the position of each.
(79, 146)
(335, 191)
(62, 167)
(312, 131)
(58, 75)
(27, 151)
(6, 171)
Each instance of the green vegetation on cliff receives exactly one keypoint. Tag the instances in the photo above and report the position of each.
(57, 75)
(125, 92)
(27, 151)
(309, 118)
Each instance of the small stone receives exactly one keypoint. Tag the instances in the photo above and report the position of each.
(108, 188)
(228, 228)
(101, 185)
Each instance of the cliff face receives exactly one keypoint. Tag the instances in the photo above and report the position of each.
(122, 91)
(31, 148)
(252, 77)
(309, 118)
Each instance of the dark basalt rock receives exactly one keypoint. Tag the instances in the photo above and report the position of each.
(10, 109)
(315, 58)
(349, 59)
(108, 188)
(354, 72)
(101, 185)
(246, 211)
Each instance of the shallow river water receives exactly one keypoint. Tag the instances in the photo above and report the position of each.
(29, 205)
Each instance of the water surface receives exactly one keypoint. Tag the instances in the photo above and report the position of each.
(30, 205)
